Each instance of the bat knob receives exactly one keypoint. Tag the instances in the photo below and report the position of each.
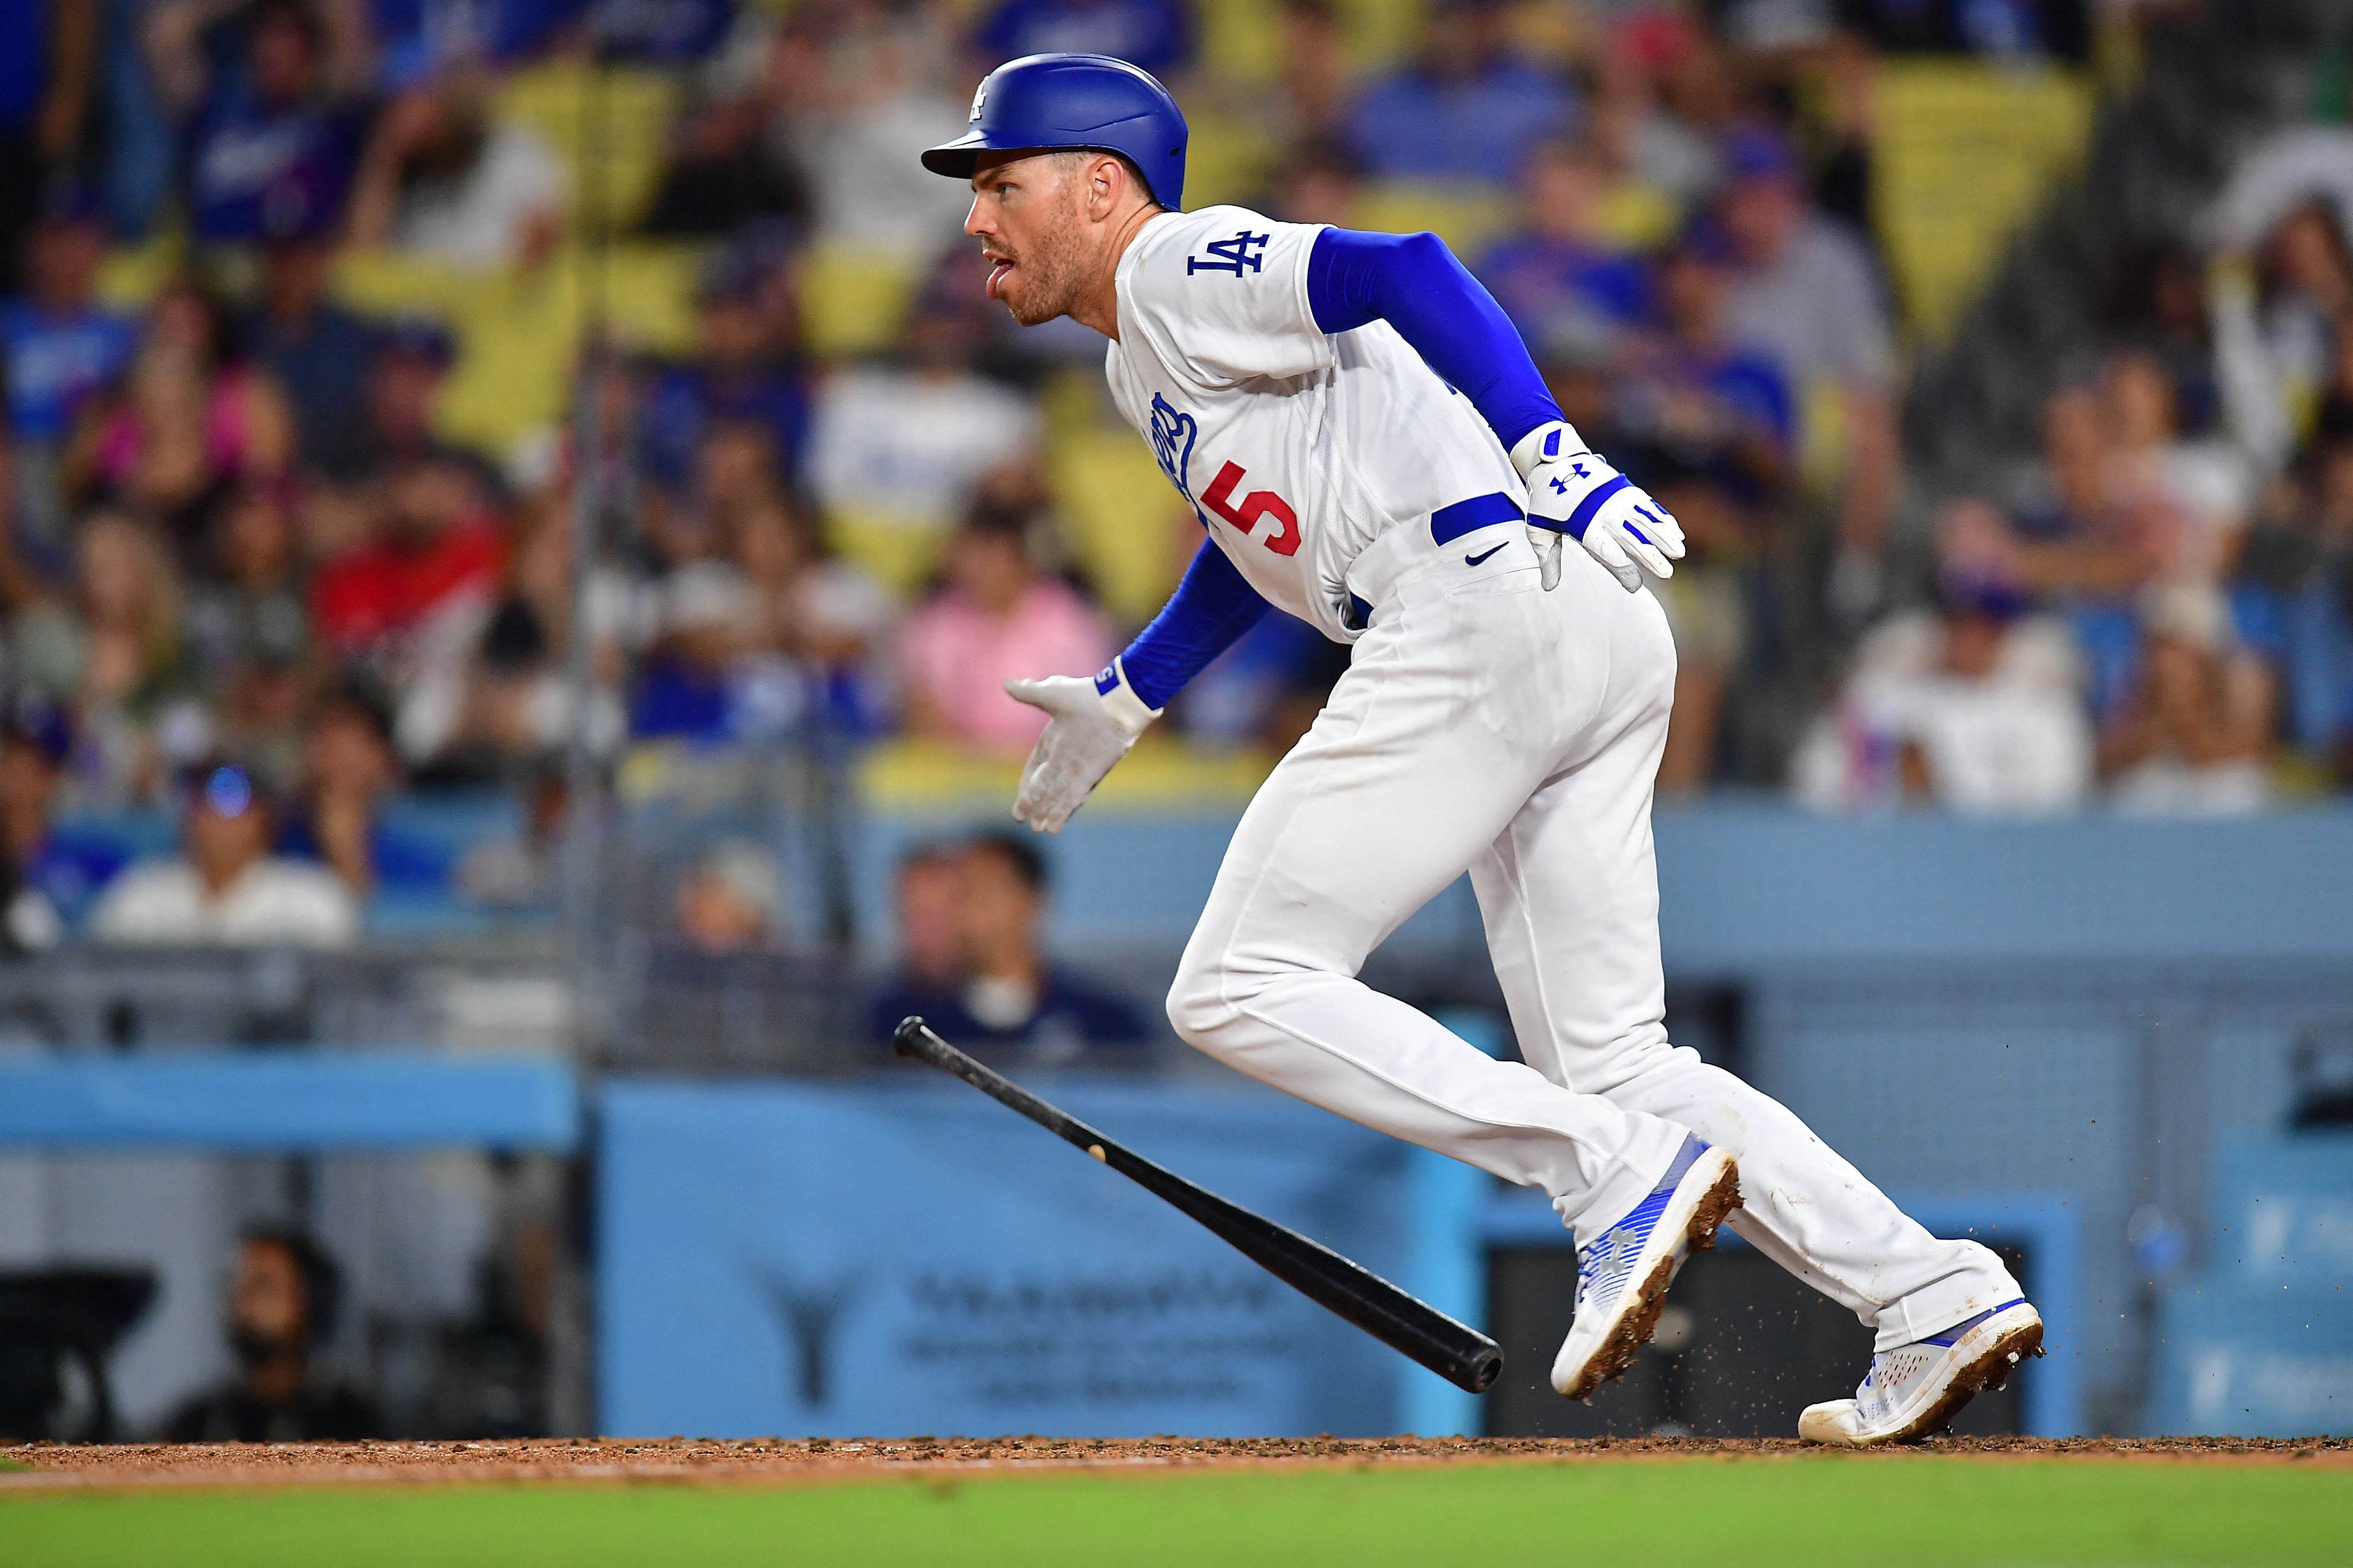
(903, 1038)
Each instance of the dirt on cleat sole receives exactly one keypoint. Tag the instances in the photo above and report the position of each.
(1990, 1369)
(1633, 1332)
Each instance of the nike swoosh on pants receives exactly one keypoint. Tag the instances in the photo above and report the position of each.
(1474, 560)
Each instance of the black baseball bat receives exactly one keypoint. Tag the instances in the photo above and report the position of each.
(1455, 1352)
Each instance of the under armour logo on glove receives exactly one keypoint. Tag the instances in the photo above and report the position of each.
(1583, 497)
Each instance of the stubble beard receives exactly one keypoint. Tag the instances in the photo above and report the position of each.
(1054, 269)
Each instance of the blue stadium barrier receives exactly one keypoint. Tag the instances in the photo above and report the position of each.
(904, 1256)
(233, 1102)
(1744, 886)
(2260, 1342)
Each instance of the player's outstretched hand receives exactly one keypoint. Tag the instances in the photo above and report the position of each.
(1086, 732)
(1571, 490)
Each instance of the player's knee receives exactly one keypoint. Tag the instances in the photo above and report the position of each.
(1200, 1006)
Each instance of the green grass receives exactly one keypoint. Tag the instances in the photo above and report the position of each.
(1723, 1512)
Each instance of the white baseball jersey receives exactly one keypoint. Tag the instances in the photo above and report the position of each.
(1296, 448)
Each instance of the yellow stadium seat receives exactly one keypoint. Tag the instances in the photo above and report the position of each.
(853, 301)
(1822, 434)
(1074, 400)
(1229, 157)
(130, 275)
(1117, 504)
(898, 554)
(1380, 34)
(1465, 214)
(1632, 215)
(649, 294)
(636, 108)
(519, 334)
(1241, 42)
(385, 282)
(1964, 153)
(1160, 776)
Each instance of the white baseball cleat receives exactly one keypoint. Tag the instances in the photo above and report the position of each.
(1915, 1390)
(1622, 1277)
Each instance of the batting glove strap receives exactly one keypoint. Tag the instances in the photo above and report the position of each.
(1120, 700)
(1572, 490)
(1575, 483)
(1545, 443)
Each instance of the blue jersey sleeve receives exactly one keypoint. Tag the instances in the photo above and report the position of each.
(1415, 284)
(1211, 607)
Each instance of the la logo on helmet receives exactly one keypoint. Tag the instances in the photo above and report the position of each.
(979, 97)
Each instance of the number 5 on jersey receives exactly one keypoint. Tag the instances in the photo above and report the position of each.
(1219, 499)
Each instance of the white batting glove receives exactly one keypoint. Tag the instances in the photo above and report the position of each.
(1092, 725)
(1571, 490)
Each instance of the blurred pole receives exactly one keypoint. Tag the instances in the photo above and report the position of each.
(571, 1395)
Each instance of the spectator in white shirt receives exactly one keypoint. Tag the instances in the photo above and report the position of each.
(2196, 493)
(852, 89)
(2195, 738)
(898, 451)
(1975, 707)
(445, 178)
(226, 888)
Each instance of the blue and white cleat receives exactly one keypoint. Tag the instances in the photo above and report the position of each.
(1915, 1390)
(1622, 1277)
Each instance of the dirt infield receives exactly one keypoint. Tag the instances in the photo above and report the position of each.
(776, 1461)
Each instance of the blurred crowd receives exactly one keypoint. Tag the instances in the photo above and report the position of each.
(2159, 610)
(251, 579)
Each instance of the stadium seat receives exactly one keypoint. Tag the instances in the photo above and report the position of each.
(521, 332)
(1465, 214)
(852, 299)
(637, 106)
(897, 555)
(385, 281)
(1964, 155)
(1821, 435)
(1632, 215)
(1117, 503)
(1242, 40)
(130, 275)
(1162, 775)
(1230, 156)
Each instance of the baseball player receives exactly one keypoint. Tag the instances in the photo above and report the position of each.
(1369, 446)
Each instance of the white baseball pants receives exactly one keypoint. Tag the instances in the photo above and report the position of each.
(1488, 725)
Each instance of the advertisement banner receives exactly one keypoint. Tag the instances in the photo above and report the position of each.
(907, 1258)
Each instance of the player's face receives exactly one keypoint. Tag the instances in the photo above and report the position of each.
(1026, 215)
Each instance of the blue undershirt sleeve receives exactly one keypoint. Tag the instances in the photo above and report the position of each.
(1415, 284)
(1211, 607)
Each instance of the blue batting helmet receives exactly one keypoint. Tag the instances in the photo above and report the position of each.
(1042, 103)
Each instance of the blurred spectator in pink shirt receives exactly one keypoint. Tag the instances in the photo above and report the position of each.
(996, 618)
